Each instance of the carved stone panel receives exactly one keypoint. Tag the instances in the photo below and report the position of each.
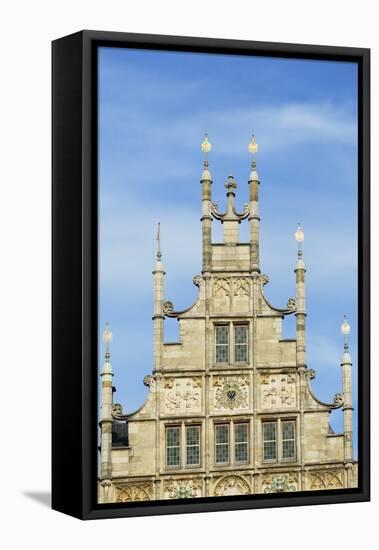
(232, 485)
(231, 392)
(278, 391)
(182, 488)
(133, 492)
(328, 479)
(279, 483)
(182, 395)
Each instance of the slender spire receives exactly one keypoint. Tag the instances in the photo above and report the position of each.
(159, 253)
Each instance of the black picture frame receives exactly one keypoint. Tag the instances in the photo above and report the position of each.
(74, 273)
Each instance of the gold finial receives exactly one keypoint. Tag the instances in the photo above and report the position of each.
(299, 237)
(345, 329)
(107, 339)
(159, 253)
(253, 146)
(206, 146)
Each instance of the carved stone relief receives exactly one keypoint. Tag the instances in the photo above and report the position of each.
(279, 483)
(132, 493)
(221, 287)
(241, 286)
(326, 479)
(227, 286)
(278, 389)
(183, 488)
(232, 485)
(182, 395)
(231, 392)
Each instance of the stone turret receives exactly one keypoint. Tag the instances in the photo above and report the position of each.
(206, 218)
(300, 302)
(254, 218)
(346, 364)
(106, 409)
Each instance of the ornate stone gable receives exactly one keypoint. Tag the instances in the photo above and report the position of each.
(182, 395)
(278, 390)
(231, 392)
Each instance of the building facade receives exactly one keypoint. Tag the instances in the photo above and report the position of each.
(230, 408)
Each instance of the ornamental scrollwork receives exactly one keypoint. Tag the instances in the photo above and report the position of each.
(117, 409)
(168, 307)
(197, 280)
(338, 400)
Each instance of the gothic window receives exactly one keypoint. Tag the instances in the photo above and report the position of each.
(173, 446)
(240, 344)
(222, 443)
(288, 440)
(193, 445)
(222, 343)
(241, 443)
(269, 441)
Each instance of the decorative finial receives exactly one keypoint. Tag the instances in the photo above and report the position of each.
(345, 329)
(206, 147)
(159, 253)
(299, 236)
(253, 149)
(253, 146)
(107, 339)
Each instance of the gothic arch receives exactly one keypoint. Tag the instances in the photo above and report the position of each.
(132, 493)
(325, 480)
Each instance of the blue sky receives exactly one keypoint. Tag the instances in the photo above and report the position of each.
(154, 108)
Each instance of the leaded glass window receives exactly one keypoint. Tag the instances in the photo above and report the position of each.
(240, 344)
(222, 443)
(241, 442)
(269, 441)
(193, 445)
(173, 446)
(222, 343)
(288, 439)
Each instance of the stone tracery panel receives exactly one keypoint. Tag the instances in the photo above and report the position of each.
(130, 493)
(328, 479)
